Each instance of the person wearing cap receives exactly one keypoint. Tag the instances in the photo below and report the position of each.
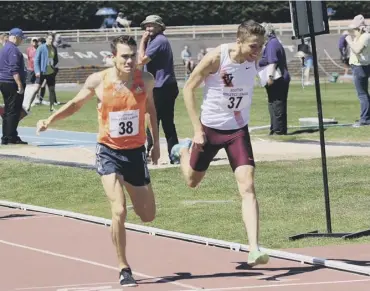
(277, 87)
(359, 61)
(12, 84)
(155, 54)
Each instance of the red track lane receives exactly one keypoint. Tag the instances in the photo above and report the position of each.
(51, 253)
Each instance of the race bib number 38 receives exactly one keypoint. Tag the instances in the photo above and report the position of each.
(235, 99)
(124, 123)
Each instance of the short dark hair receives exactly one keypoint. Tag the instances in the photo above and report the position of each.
(248, 28)
(42, 40)
(124, 39)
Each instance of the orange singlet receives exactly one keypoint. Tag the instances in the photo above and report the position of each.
(121, 114)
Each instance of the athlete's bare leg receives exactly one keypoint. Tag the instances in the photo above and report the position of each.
(113, 187)
(192, 177)
(143, 200)
(245, 179)
(34, 93)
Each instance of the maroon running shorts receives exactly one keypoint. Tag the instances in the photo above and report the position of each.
(236, 142)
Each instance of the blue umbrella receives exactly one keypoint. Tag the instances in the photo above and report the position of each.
(106, 11)
(331, 11)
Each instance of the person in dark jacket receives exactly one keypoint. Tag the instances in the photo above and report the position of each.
(344, 51)
(277, 88)
(13, 76)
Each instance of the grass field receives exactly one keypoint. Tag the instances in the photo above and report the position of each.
(339, 101)
(290, 195)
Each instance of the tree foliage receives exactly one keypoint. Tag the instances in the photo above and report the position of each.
(60, 15)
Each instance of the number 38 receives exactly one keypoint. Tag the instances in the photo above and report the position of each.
(125, 127)
(234, 104)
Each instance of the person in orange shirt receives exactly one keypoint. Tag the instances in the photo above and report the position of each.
(124, 96)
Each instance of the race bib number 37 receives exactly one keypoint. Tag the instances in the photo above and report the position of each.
(124, 123)
(235, 99)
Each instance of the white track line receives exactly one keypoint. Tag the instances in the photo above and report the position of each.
(26, 218)
(282, 285)
(189, 287)
(66, 286)
(59, 139)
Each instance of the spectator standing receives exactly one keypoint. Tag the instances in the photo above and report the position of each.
(122, 22)
(31, 53)
(45, 63)
(4, 37)
(277, 89)
(344, 51)
(155, 54)
(359, 61)
(12, 85)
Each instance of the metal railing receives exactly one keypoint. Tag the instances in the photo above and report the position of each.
(195, 31)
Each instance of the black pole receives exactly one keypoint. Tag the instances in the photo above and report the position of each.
(319, 111)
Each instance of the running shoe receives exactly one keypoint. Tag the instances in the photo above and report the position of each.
(257, 258)
(126, 279)
(176, 150)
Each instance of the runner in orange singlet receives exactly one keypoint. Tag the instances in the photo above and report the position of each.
(124, 97)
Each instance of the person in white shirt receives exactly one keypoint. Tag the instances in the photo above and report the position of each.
(359, 61)
(228, 73)
(121, 21)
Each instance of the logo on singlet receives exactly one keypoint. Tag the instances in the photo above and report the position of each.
(228, 79)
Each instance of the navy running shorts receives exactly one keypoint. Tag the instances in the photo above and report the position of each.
(236, 143)
(131, 164)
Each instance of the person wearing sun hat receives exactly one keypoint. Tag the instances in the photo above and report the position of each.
(155, 54)
(359, 60)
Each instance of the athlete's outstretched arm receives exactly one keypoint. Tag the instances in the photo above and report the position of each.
(72, 106)
(208, 65)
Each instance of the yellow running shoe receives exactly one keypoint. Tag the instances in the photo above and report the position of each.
(257, 258)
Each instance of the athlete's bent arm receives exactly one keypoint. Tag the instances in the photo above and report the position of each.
(142, 58)
(72, 106)
(209, 64)
(150, 109)
(152, 112)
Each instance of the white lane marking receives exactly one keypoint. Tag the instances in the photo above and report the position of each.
(94, 263)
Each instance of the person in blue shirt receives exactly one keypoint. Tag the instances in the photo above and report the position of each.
(46, 60)
(277, 89)
(155, 55)
(13, 76)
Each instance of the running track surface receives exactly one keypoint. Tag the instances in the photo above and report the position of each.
(51, 253)
(60, 138)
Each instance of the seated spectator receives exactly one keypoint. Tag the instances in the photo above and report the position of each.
(108, 22)
(187, 61)
(201, 54)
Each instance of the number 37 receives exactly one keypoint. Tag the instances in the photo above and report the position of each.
(232, 103)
